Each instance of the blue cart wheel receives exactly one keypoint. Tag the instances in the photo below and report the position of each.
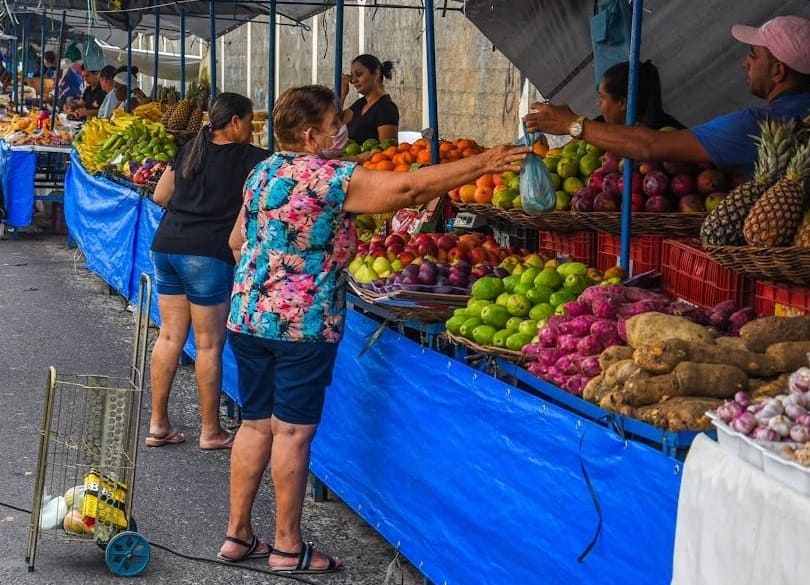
(128, 554)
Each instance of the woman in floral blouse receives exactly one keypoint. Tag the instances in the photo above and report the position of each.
(292, 241)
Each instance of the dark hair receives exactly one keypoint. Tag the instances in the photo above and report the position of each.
(373, 64)
(123, 69)
(222, 110)
(649, 109)
(299, 107)
(107, 72)
(50, 56)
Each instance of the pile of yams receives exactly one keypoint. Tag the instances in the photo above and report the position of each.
(400, 158)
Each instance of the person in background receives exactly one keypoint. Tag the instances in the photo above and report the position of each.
(72, 82)
(121, 80)
(650, 109)
(777, 70)
(292, 241)
(202, 194)
(107, 83)
(94, 94)
(375, 115)
(49, 65)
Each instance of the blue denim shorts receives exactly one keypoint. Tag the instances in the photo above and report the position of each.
(203, 279)
(285, 379)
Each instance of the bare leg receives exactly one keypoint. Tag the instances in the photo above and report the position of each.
(249, 458)
(289, 468)
(209, 337)
(175, 318)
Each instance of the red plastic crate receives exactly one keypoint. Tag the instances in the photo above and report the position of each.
(645, 252)
(782, 301)
(688, 273)
(578, 246)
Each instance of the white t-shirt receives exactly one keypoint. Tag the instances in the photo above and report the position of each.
(108, 105)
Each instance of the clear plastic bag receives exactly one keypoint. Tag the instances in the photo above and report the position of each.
(537, 192)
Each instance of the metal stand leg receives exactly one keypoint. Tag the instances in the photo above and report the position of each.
(320, 492)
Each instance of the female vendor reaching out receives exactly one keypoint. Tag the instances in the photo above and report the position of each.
(375, 115)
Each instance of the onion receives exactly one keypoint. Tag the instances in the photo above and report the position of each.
(770, 409)
(796, 399)
(742, 398)
(793, 411)
(781, 424)
(755, 407)
(744, 423)
(799, 433)
(765, 434)
(799, 380)
(728, 411)
(804, 420)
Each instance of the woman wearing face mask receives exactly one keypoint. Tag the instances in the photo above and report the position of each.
(375, 115)
(202, 194)
(292, 242)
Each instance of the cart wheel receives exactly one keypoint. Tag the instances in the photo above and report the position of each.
(131, 527)
(128, 554)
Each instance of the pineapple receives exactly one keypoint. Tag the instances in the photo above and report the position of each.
(164, 119)
(179, 118)
(195, 120)
(724, 225)
(776, 216)
(802, 237)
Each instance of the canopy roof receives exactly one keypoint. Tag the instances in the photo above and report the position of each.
(689, 42)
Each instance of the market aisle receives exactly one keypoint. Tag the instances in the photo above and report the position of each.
(54, 312)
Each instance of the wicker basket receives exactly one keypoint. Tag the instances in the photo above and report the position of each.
(643, 223)
(425, 307)
(551, 221)
(488, 350)
(789, 264)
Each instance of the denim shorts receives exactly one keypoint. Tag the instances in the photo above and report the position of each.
(285, 379)
(203, 279)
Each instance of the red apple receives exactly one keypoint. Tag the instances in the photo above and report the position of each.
(637, 183)
(478, 255)
(595, 180)
(646, 166)
(682, 185)
(610, 162)
(456, 254)
(427, 248)
(378, 252)
(395, 238)
(377, 239)
(690, 203)
(446, 242)
(711, 180)
(658, 204)
(441, 256)
(638, 201)
(406, 257)
(656, 183)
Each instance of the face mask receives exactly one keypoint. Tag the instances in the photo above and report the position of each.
(339, 142)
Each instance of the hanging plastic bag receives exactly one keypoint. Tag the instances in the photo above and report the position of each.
(537, 192)
(93, 55)
(610, 35)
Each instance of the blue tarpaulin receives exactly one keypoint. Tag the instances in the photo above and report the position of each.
(148, 219)
(17, 170)
(102, 217)
(478, 482)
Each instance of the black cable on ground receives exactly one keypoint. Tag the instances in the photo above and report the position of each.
(204, 559)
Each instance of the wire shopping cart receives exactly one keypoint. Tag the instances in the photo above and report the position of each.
(87, 457)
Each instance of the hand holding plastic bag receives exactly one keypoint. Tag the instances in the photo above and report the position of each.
(537, 192)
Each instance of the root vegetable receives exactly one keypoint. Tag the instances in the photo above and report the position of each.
(614, 354)
(658, 327)
(679, 413)
(662, 357)
(548, 336)
(799, 381)
(592, 388)
(650, 390)
(575, 384)
(731, 342)
(577, 308)
(737, 320)
(612, 372)
(606, 308)
(590, 366)
(788, 356)
(720, 314)
(643, 306)
(744, 423)
(579, 326)
(764, 388)
(717, 380)
(781, 425)
(761, 333)
(590, 345)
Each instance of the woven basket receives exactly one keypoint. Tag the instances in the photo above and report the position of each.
(551, 221)
(427, 312)
(643, 223)
(488, 350)
(789, 264)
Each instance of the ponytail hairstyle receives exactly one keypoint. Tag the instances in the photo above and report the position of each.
(649, 108)
(373, 64)
(223, 109)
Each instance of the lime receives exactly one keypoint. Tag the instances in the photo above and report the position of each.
(572, 184)
(551, 163)
(495, 315)
(501, 300)
(521, 289)
(556, 180)
(539, 294)
(516, 341)
(568, 268)
(568, 167)
(483, 334)
(549, 278)
(460, 312)
(562, 201)
(467, 327)
(528, 327)
(541, 311)
(513, 324)
(499, 339)
(454, 323)
(575, 283)
(369, 144)
(474, 307)
(352, 149)
(561, 297)
(510, 282)
(529, 274)
(518, 305)
(487, 288)
(588, 164)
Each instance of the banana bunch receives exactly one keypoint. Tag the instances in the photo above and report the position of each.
(90, 139)
(149, 111)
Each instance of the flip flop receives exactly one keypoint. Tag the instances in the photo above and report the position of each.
(226, 444)
(173, 438)
(304, 559)
(251, 553)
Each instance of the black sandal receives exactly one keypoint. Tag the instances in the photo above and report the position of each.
(251, 553)
(304, 559)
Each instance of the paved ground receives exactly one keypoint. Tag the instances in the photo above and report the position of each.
(55, 312)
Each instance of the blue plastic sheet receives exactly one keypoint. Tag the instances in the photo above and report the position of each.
(17, 170)
(102, 218)
(477, 482)
(146, 226)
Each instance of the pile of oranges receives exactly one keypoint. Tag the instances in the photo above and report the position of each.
(400, 158)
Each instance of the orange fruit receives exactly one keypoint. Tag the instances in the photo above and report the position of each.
(454, 194)
(466, 193)
(540, 149)
(370, 165)
(423, 158)
(467, 152)
(390, 152)
(445, 146)
(483, 194)
(497, 179)
(408, 158)
(485, 181)
(402, 168)
(464, 143)
(377, 157)
(404, 147)
(385, 165)
(454, 155)
(421, 143)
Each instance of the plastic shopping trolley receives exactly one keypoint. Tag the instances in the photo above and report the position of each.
(87, 455)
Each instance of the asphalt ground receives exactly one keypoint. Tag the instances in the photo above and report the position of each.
(54, 312)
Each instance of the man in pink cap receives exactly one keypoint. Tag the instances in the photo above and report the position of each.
(777, 69)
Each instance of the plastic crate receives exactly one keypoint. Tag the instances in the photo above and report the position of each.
(510, 235)
(645, 252)
(688, 273)
(578, 246)
(782, 301)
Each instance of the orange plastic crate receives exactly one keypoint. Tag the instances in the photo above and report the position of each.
(578, 246)
(688, 273)
(645, 252)
(782, 301)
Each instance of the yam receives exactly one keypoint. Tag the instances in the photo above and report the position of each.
(765, 388)
(613, 354)
(657, 327)
(759, 334)
(629, 371)
(660, 358)
(612, 373)
(681, 413)
(644, 391)
(592, 388)
(612, 400)
(717, 380)
(732, 342)
(788, 356)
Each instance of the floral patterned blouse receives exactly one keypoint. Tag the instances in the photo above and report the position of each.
(288, 284)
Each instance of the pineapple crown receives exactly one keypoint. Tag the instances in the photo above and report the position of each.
(775, 148)
(798, 169)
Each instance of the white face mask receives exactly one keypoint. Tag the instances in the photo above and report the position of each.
(339, 142)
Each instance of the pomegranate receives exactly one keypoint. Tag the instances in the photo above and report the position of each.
(710, 181)
(658, 204)
(682, 184)
(611, 182)
(655, 183)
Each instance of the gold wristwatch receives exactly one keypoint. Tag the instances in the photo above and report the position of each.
(577, 127)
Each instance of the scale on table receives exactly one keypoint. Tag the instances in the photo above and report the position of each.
(468, 221)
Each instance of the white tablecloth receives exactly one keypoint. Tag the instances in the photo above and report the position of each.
(736, 525)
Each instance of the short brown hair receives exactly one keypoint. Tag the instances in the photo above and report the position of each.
(299, 107)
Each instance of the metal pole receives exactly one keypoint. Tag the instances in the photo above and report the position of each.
(183, 53)
(212, 48)
(26, 41)
(271, 75)
(157, 53)
(632, 91)
(58, 69)
(42, 62)
(129, 65)
(15, 92)
(338, 46)
(433, 105)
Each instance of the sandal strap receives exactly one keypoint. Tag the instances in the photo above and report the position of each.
(250, 545)
(289, 555)
(306, 557)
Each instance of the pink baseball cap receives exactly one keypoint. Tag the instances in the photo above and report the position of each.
(786, 37)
